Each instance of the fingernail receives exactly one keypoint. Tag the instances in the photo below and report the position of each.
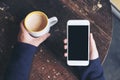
(91, 35)
(65, 54)
(65, 40)
(65, 47)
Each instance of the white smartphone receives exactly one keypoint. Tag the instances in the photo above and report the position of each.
(78, 42)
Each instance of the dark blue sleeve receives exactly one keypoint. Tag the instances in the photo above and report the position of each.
(92, 72)
(20, 63)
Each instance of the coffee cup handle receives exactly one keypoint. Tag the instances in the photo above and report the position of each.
(52, 21)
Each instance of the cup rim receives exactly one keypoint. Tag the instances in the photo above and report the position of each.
(31, 13)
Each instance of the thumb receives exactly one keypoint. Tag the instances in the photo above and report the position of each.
(22, 27)
(43, 38)
(92, 41)
(93, 49)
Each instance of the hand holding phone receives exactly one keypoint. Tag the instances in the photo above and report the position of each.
(78, 42)
(93, 49)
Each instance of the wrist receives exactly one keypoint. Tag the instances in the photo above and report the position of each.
(26, 43)
(32, 42)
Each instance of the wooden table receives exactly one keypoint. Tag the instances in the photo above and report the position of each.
(48, 62)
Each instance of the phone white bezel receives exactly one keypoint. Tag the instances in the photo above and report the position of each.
(75, 23)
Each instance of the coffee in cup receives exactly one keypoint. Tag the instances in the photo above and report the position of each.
(37, 23)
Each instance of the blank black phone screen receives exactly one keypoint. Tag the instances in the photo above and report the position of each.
(78, 42)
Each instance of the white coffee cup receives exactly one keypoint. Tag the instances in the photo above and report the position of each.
(37, 23)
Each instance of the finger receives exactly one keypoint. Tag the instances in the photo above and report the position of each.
(65, 54)
(65, 41)
(93, 49)
(93, 44)
(65, 46)
(44, 37)
(22, 27)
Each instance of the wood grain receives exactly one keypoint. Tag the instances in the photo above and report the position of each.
(48, 62)
(100, 18)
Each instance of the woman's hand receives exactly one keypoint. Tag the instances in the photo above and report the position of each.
(25, 37)
(93, 48)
